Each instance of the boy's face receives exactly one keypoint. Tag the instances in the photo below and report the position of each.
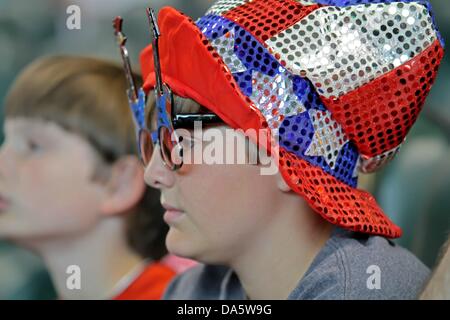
(214, 211)
(47, 188)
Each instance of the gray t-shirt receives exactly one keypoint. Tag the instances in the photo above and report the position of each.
(349, 266)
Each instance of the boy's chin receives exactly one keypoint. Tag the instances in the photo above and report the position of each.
(179, 244)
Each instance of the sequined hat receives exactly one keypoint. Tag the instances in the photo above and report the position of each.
(339, 82)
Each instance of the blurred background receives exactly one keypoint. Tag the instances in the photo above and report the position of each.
(414, 190)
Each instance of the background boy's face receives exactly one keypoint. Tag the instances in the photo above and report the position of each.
(46, 184)
(217, 210)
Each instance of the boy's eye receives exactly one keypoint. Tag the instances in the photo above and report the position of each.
(24, 146)
(32, 146)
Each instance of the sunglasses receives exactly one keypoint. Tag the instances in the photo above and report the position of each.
(167, 121)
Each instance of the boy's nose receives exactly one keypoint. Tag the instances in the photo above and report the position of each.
(157, 174)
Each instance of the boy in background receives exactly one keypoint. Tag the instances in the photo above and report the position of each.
(71, 188)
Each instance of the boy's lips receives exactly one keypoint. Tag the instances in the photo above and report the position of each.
(172, 214)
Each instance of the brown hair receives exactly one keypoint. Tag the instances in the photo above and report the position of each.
(87, 96)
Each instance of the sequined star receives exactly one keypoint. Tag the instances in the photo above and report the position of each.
(275, 97)
(328, 138)
(225, 48)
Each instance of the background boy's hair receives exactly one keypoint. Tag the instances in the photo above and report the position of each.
(87, 96)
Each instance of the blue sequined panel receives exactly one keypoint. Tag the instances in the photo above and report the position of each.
(289, 103)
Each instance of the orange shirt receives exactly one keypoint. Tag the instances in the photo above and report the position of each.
(150, 284)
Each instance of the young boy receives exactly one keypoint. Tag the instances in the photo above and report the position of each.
(337, 85)
(71, 188)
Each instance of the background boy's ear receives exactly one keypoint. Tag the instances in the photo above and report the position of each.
(125, 186)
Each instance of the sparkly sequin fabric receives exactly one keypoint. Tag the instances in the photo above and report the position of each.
(339, 83)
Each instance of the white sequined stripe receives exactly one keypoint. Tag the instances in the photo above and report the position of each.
(222, 6)
(341, 49)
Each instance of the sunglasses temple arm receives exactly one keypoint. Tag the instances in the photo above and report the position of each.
(136, 98)
(121, 41)
(155, 45)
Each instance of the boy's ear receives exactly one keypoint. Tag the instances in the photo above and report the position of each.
(282, 185)
(125, 187)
